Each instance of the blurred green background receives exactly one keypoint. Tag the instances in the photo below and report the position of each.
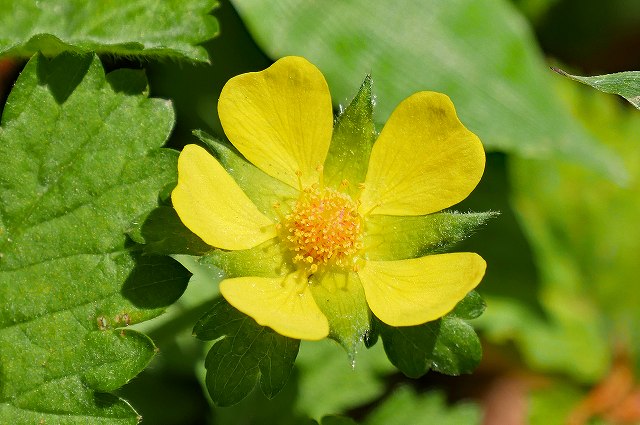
(563, 299)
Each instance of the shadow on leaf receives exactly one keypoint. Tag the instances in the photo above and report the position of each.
(155, 281)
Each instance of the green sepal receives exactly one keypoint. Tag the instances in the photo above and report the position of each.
(341, 298)
(162, 233)
(400, 237)
(353, 136)
(268, 259)
(624, 84)
(263, 190)
(244, 353)
(448, 345)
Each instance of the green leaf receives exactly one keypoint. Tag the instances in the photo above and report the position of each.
(404, 406)
(625, 84)
(410, 348)
(397, 238)
(458, 349)
(85, 162)
(480, 53)
(143, 28)
(585, 239)
(324, 382)
(244, 353)
(448, 345)
(471, 307)
(353, 136)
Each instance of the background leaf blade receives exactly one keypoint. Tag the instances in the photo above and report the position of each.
(480, 53)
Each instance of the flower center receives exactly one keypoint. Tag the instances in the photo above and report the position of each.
(323, 228)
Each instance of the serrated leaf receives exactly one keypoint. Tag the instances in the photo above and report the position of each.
(143, 28)
(480, 53)
(244, 353)
(625, 84)
(410, 348)
(448, 345)
(457, 348)
(80, 161)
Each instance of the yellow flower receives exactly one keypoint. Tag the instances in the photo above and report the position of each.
(325, 234)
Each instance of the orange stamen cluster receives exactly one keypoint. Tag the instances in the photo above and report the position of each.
(323, 228)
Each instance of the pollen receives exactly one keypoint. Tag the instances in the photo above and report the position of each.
(324, 228)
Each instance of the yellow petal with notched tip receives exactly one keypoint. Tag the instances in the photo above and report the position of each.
(210, 203)
(415, 291)
(424, 160)
(284, 304)
(280, 119)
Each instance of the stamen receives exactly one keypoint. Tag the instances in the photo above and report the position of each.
(323, 229)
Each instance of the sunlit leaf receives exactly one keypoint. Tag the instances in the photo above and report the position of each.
(81, 160)
(145, 28)
(625, 84)
(480, 53)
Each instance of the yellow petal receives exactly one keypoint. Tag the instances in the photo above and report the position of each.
(210, 203)
(424, 160)
(280, 119)
(284, 304)
(415, 291)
